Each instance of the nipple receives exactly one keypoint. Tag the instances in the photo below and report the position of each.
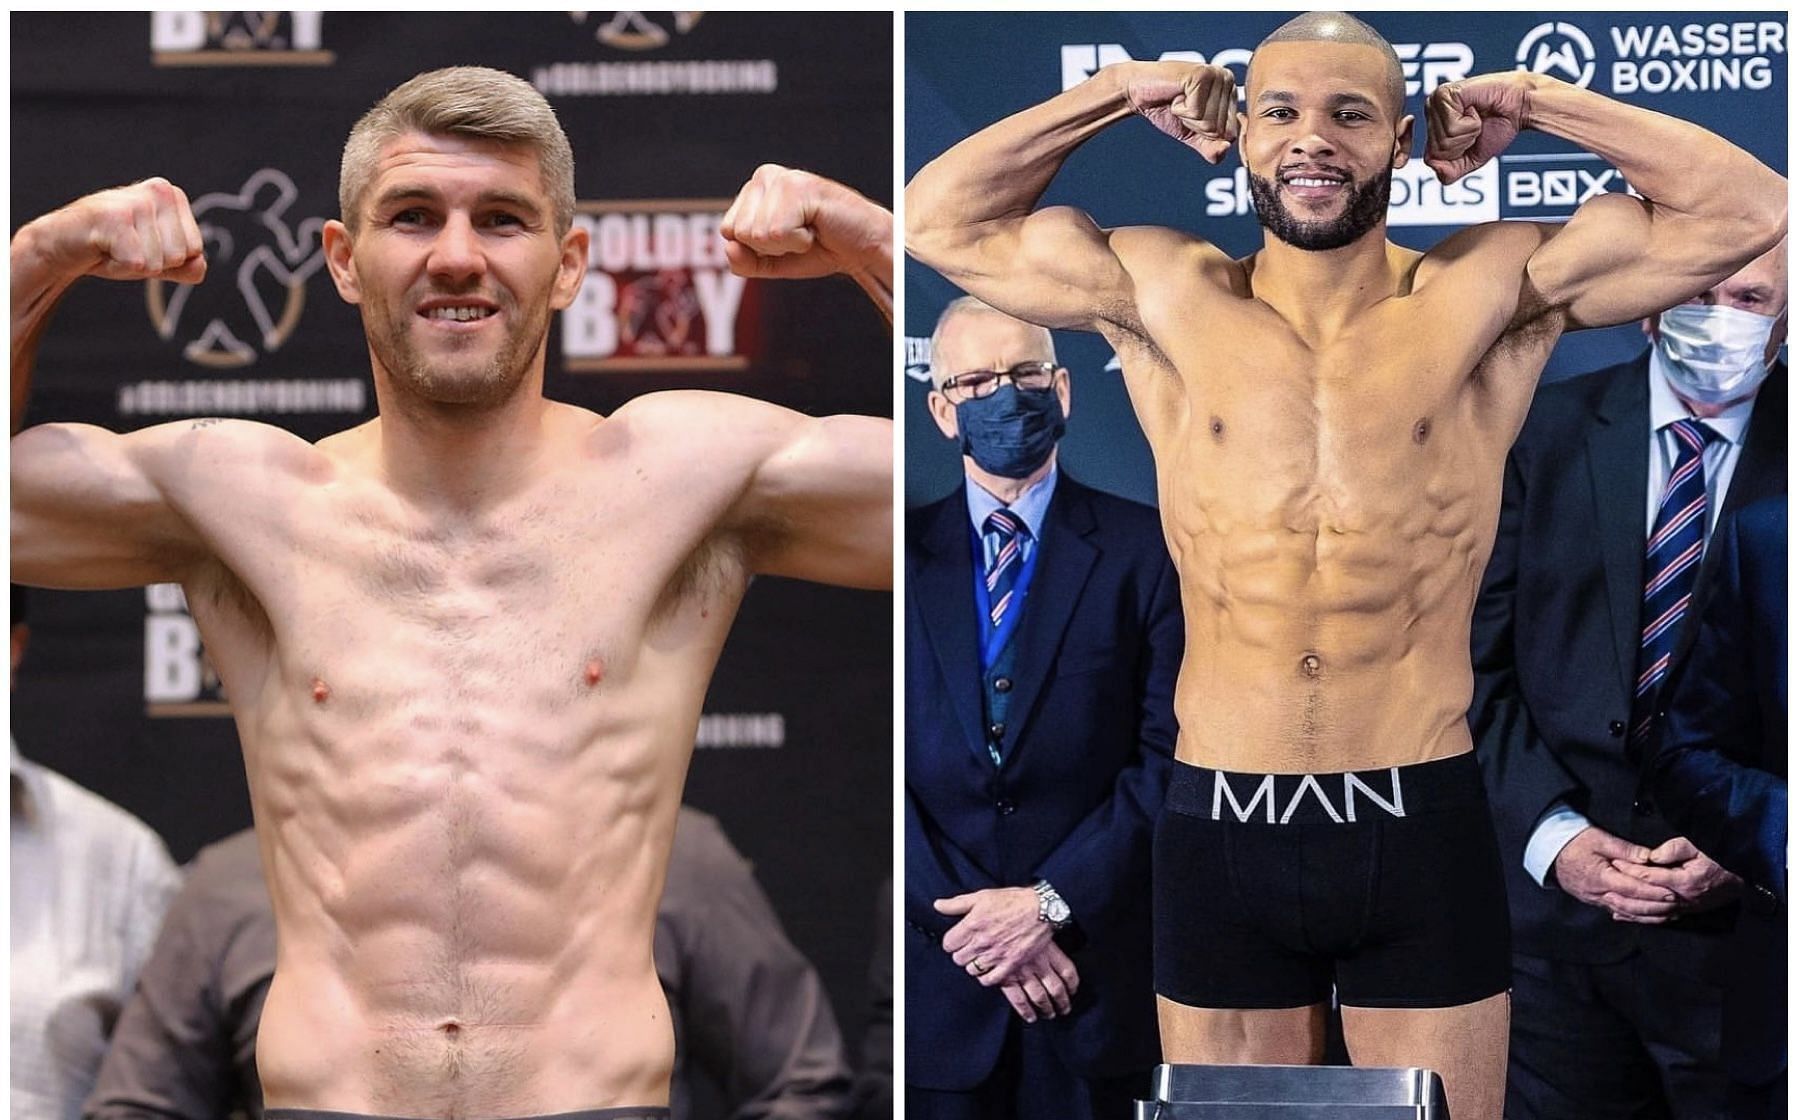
(1311, 665)
(1217, 428)
(594, 671)
(1421, 430)
(321, 691)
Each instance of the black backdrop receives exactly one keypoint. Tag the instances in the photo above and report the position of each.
(668, 114)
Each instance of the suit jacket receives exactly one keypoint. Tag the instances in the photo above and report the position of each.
(1718, 771)
(1090, 735)
(1555, 643)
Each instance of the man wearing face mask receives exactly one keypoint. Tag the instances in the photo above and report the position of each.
(1611, 489)
(1043, 634)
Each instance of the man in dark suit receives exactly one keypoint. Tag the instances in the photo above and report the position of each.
(1043, 635)
(1610, 489)
(1718, 774)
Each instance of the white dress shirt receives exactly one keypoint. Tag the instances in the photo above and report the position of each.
(90, 883)
(1729, 428)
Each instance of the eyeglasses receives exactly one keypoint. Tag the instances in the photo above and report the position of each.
(1030, 377)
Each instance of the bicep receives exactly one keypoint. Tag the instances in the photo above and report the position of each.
(1053, 267)
(820, 506)
(1619, 259)
(89, 512)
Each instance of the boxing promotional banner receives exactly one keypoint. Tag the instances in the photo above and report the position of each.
(1725, 71)
(668, 114)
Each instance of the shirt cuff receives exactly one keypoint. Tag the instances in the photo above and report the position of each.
(1558, 826)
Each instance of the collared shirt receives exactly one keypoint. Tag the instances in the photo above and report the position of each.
(1729, 429)
(748, 1008)
(90, 883)
(1032, 506)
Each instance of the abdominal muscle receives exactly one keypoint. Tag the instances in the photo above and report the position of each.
(1312, 652)
(466, 903)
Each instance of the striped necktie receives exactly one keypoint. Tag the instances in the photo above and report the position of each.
(1003, 536)
(1670, 566)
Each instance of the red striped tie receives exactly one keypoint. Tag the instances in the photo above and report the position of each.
(1670, 565)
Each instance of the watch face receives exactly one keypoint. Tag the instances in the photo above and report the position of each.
(1058, 910)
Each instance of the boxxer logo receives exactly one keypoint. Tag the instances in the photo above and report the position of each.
(255, 286)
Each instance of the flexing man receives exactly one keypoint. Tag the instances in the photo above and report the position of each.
(466, 643)
(1329, 418)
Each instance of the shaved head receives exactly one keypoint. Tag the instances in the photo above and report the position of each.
(1340, 27)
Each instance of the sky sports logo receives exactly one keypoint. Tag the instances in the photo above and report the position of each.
(1534, 187)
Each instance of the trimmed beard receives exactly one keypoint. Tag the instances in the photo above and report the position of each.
(1366, 207)
(491, 383)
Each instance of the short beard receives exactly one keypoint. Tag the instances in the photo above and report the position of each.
(1367, 206)
(492, 383)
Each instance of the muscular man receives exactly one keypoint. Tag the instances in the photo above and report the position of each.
(749, 1012)
(1043, 633)
(1620, 925)
(466, 642)
(1329, 418)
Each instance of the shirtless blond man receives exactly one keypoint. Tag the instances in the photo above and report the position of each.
(1329, 418)
(466, 643)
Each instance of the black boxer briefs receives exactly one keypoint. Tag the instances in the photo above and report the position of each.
(1269, 888)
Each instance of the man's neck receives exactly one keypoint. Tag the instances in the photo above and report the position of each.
(461, 458)
(1006, 489)
(1319, 292)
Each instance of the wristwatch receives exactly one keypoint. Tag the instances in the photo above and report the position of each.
(1050, 906)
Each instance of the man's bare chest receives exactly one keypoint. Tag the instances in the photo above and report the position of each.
(567, 582)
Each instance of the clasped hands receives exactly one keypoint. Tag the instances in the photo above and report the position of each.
(1000, 941)
(1638, 884)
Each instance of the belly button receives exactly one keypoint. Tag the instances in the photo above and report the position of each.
(451, 1028)
(1311, 665)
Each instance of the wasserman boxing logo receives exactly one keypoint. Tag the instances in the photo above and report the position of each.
(257, 268)
(1560, 50)
(238, 39)
(1660, 58)
(1696, 58)
(659, 294)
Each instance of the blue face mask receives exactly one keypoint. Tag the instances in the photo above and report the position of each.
(1011, 433)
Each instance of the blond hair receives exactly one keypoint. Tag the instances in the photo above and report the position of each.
(467, 101)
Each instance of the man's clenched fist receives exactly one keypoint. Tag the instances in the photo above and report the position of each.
(140, 232)
(790, 225)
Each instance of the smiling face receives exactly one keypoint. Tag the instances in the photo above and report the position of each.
(1321, 138)
(456, 266)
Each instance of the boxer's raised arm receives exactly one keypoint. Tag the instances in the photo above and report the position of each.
(820, 505)
(132, 233)
(91, 508)
(1707, 208)
(970, 216)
